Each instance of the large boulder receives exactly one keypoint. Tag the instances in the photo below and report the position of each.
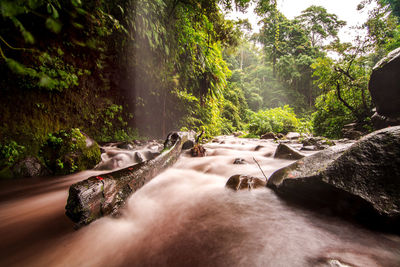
(384, 85)
(361, 181)
(68, 151)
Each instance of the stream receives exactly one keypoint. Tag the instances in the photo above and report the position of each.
(185, 217)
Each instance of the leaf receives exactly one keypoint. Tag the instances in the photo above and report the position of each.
(53, 25)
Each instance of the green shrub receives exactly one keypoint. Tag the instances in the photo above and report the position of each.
(330, 117)
(10, 152)
(277, 120)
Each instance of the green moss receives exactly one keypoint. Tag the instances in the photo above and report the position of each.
(66, 152)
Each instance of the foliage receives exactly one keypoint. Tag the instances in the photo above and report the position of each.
(67, 152)
(10, 152)
(319, 24)
(331, 116)
(276, 120)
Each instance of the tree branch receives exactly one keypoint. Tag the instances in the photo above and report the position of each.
(342, 100)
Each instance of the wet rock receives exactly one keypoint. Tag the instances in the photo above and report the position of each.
(258, 147)
(284, 151)
(316, 143)
(384, 85)
(139, 157)
(309, 148)
(380, 122)
(125, 145)
(149, 155)
(292, 136)
(240, 182)
(268, 135)
(188, 144)
(237, 134)
(30, 167)
(361, 181)
(239, 161)
(280, 135)
(198, 151)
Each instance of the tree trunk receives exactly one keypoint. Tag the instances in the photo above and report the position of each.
(102, 195)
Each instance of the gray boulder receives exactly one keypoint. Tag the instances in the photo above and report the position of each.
(284, 151)
(29, 167)
(384, 85)
(361, 181)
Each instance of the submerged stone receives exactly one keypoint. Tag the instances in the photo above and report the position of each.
(240, 182)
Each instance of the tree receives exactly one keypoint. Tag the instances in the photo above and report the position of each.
(319, 24)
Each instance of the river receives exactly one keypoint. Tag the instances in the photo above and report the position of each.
(185, 217)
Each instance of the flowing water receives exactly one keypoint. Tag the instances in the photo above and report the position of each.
(185, 217)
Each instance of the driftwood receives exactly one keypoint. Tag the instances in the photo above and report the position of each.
(102, 195)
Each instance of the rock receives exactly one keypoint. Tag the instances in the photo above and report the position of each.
(353, 131)
(258, 147)
(68, 151)
(102, 195)
(361, 181)
(292, 136)
(240, 182)
(139, 157)
(29, 167)
(284, 151)
(268, 135)
(188, 144)
(125, 145)
(198, 151)
(380, 122)
(239, 161)
(280, 135)
(316, 143)
(149, 155)
(309, 148)
(384, 85)
(237, 134)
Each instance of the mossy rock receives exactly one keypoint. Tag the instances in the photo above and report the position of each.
(69, 151)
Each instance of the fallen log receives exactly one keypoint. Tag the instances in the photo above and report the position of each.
(103, 195)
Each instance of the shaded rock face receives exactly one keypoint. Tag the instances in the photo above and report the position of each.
(30, 167)
(284, 151)
(384, 85)
(361, 181)
(241, 182)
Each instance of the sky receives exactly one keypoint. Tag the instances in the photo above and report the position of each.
(345, 10)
